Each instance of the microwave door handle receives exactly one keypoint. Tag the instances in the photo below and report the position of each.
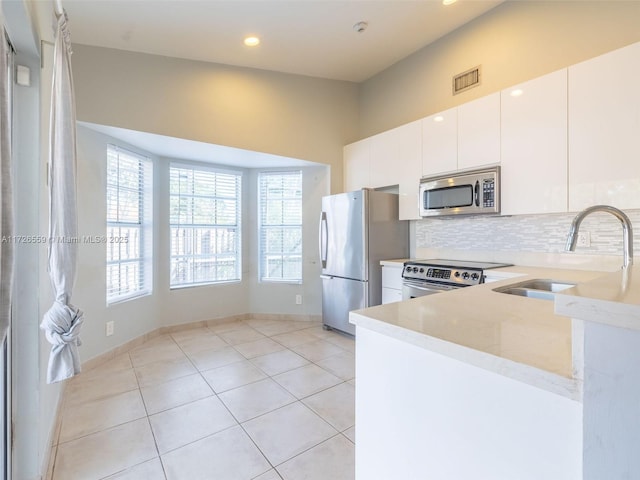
(477, 193)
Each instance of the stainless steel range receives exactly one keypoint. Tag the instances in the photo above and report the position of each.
(426, 277)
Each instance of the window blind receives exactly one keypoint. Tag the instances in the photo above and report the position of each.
(129, 217)
(280, 226)
(205, 225)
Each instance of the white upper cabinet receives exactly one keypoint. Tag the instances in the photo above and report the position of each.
(534, 146)
(479, 132)
(410, 168)
(604, 130)
(384, 158)
(440, 143)
(391, 158)
(356, 165)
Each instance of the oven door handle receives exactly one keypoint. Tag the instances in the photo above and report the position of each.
(428, 287)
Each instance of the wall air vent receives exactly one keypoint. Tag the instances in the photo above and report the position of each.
(466, 80)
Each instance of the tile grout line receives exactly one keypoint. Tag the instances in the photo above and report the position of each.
(153, 434)
(223, 404)
(242, 324)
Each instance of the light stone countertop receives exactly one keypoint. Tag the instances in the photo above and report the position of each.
(612, 299)
(398, 262)
(519, 337)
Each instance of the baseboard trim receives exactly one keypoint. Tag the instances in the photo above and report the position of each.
(136, 342)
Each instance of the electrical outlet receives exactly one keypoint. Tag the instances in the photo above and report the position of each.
(584, 239)
(298, 299)
(110, 328)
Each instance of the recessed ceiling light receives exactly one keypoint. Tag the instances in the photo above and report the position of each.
(516, 93)
(448, 2)
(438, 118)
(251, 41)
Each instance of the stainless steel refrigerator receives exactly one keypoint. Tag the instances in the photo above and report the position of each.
(357, 230)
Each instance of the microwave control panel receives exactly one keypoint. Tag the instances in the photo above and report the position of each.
(488, 192)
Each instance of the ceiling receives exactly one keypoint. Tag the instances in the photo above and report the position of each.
(182, 149)
(306, 37)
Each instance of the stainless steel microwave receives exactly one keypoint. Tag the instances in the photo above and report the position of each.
(464, 193)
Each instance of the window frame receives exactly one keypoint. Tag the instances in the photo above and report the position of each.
(262, 236)
(210, 169)
(144, 223)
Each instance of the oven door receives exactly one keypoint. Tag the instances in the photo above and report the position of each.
(420, 289)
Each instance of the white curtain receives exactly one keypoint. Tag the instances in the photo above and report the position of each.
(6, 200)
(63, 321)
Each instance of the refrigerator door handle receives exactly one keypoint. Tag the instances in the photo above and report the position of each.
(323, 241)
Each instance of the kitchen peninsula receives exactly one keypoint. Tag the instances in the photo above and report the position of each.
(474, 383)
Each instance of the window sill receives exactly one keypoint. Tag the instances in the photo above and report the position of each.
(204, 284)
(280, 282)
(126, 298)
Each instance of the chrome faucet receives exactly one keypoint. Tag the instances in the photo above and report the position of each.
(627, 231)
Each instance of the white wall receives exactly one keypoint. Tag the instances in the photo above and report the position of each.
(165, 306)
(132, 318)
(280, 298)
(34, 403)
(206, 302)
(288, 115)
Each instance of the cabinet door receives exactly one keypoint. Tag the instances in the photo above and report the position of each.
(604, 130)
(534, 146)
(390, 295)
(356, 161)
(440, 143)
(392, 276)
(384, 159)
(392, 283)
(409, 166)
(479, 132)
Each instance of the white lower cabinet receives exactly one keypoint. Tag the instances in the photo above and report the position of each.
(391, 281)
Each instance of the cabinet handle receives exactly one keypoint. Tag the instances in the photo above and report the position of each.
(322, 241)
(477, 193)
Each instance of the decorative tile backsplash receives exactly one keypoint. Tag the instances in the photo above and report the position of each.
(524, 233)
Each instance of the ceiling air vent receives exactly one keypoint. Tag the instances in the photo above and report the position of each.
(466, 80)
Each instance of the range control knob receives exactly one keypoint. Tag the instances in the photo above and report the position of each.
(465, 275)
(474, 276)
(415, 269)
(457, 274)
(422, 270)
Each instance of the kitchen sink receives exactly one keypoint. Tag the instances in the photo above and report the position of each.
(544, 289)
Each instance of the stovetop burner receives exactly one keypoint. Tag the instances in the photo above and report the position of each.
(450, 272)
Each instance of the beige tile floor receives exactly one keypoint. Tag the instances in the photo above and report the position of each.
(255, 399)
